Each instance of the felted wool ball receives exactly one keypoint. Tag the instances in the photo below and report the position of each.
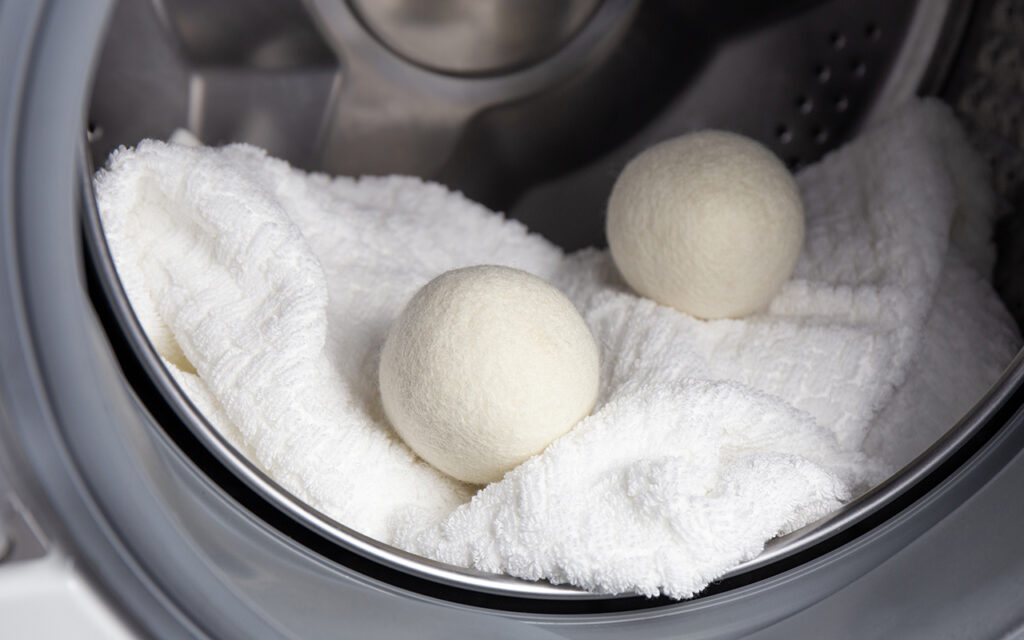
(710, 223)
(484, 368)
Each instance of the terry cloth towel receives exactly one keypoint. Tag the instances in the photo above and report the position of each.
(269, 292)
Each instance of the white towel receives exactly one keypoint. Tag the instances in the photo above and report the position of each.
(269, 291)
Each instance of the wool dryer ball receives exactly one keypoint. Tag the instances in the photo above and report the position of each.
(710, 223)
(484, 368)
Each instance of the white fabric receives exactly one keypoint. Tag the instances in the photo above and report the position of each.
(277, 288)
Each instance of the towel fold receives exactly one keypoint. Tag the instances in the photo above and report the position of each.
(269, 292)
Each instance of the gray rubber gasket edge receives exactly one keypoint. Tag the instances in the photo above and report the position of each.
(30, 410)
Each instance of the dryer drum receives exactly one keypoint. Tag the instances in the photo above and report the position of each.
(186, 537)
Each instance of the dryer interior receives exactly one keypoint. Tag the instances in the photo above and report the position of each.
(538, 126)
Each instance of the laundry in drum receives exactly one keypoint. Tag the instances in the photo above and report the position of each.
(689, 427)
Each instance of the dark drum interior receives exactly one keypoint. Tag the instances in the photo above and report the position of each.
(538, 126)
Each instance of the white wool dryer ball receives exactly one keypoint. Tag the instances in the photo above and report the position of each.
(484, 368)
(710, 223)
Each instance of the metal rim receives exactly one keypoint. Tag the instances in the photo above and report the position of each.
(777, 550)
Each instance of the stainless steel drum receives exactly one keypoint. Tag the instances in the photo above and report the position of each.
(525, 106)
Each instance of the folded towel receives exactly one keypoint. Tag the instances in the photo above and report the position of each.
(269, 292)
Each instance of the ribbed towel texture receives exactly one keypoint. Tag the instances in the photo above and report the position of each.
(269, 292)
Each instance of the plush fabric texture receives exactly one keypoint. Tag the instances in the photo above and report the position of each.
(709, 222)
(269, 292)
(484, 368)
